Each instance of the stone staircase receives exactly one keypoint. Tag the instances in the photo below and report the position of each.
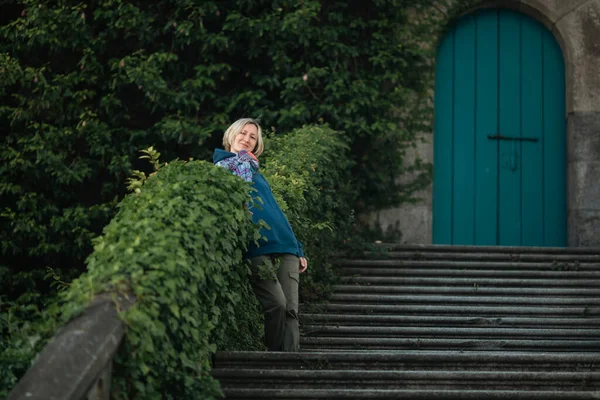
(441, 322)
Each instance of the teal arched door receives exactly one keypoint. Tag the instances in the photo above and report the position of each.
(499, 136)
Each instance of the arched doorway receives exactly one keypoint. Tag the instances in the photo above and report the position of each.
(499, 135)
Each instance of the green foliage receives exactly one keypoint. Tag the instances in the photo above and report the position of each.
(86, 84)
(177, 245)
(351, 65)
(310, 174)
(136, 181)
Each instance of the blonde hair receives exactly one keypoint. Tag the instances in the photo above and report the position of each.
(235, 129)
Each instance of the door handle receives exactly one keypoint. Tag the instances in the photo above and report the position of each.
(502, 137)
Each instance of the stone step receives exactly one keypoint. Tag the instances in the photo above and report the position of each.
(423, 332)
(487, 265)
(467, 289)
(465, 265)
(370, 393)
(485, 310)
(337, 343)
(463, 273)
(397, 247)
(440, 322)
(470, 281)
(447, 321)
(432, 299)
(482, 256)
(448, 380)
(413, 360)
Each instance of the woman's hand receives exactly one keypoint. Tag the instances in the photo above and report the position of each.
(303, 265)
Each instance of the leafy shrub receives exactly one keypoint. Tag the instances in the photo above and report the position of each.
(177, 245)
(309, 170)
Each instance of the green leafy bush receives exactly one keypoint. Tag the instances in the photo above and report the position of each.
(309, 170)
(177, 245)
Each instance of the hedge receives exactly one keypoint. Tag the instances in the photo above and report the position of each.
(177, 244)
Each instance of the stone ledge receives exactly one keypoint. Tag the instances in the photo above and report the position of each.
(76, 357)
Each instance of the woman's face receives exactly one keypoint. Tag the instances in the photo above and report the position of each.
(246, 139)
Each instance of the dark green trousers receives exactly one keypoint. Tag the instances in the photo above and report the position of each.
(275, 281)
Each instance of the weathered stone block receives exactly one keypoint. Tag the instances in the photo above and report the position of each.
(414, 221)
(423, 149)
(549, 12)
(584, 228)
(584, 185)
(511, 4)
(579, 31)
(584, 137)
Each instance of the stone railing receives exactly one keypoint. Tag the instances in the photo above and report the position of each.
(76, 364)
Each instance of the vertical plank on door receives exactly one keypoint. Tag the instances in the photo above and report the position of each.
(464, 133)
(443, 163)
(555, 233)
(509, 214)
(532, 126)
(486, 123)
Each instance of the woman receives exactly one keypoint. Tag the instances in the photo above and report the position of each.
(278, 297)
